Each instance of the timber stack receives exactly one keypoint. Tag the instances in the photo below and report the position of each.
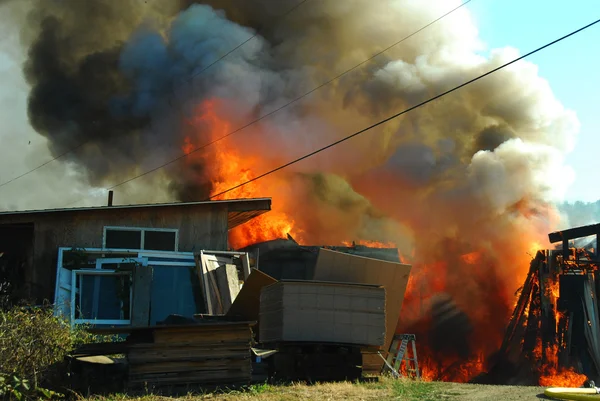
(555, 326)
(206, 355)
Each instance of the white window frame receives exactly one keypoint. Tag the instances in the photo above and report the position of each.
(142, 231)
(145, 257)
(75, 291)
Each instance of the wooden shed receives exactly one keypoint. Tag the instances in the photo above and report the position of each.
(29, 240)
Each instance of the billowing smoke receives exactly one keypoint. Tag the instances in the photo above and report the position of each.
(464, 186)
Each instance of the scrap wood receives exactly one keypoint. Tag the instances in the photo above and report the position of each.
(105, 348)
(533, 322)
(247, 304)
(200, 354)
(521, 306)
(592, 328)
(212, 296)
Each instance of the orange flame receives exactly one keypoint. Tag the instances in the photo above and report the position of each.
(370, 244)
(562, 378)
(554, 376)
(229, 168)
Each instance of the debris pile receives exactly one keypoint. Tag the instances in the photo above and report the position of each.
(553, 336)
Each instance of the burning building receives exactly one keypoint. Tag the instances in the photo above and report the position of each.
(460, 187)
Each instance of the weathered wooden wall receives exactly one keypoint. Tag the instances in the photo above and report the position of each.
(200, 227)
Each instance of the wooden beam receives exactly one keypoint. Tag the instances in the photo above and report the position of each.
(522, 303)
(573, 233)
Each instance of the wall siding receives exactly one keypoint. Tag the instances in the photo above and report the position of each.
(200, 227)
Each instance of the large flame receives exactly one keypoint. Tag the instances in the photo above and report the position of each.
(229, 167)
(461, 184)
(468, 274)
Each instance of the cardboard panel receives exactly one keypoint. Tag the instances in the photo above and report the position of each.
(322, 312)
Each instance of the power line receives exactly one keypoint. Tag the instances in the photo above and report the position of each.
(187, 79)
(272, 112)
(42, 165)
(404, 111)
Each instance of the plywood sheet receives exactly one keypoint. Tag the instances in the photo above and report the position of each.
(342, 267)
(247, 304)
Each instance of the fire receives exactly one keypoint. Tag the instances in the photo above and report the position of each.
(456, 351)
(534, 247)
(370, 244)
(471, 258)
(563, 378)
(552, 376)
(480, 279)
(228, 167)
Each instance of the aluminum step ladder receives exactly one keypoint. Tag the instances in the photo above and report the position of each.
(397, 354)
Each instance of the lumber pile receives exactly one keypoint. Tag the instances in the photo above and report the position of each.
(555, 323)
(199, 355)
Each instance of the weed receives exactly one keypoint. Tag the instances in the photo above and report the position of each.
(33, 346)
(410, 390)
(256, 389)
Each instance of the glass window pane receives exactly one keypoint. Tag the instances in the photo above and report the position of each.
(123, 239)
(104, 297)
(159, 240)
(175, 290)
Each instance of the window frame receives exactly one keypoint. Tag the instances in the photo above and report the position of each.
(75, 291)
(142, 231)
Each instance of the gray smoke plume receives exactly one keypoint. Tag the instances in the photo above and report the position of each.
(474, 175)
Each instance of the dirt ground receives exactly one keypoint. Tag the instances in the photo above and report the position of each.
(478, 392)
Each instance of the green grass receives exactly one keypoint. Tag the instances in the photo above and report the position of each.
(419, 390)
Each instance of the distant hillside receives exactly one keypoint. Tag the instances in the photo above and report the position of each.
(581, 213)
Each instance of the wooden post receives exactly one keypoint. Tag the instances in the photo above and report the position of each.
(548, 321)
(565, 248)
(532, 330)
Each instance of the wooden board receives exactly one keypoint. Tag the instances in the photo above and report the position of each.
(247, 304)
(202, 354)
(207, 266)
(142, 286)
(228, 283)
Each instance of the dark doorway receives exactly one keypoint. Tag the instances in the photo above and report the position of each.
(16, 256)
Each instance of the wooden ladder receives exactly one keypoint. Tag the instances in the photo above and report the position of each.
(397, 354)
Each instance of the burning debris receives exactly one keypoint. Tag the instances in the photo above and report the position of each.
(459, 187)
(552, 336)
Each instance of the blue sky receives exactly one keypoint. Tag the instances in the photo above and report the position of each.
(572, 67)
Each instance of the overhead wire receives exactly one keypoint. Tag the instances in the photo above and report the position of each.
(272, 112)
(385, 120)
(187, 79)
